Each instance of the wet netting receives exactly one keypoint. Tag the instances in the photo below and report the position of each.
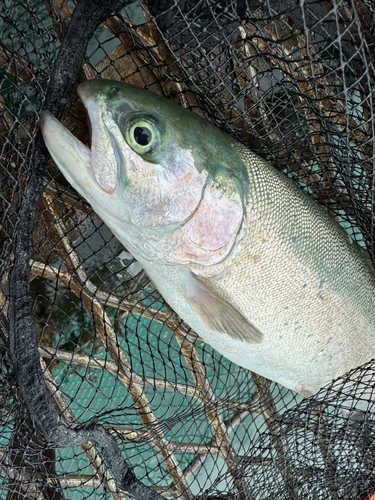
(105, 392)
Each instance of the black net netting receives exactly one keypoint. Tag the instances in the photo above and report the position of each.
(119, 398)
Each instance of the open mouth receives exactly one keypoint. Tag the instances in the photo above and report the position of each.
(71, 156)
(53, 130)
(101, 160)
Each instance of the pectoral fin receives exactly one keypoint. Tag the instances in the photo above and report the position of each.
(217, 313)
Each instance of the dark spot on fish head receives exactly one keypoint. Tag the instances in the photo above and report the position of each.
(113, 92)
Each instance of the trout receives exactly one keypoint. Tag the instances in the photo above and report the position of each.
(254, 265)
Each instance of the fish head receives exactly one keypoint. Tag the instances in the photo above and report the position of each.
(150, 166)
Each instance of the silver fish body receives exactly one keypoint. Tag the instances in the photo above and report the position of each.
(246, 258)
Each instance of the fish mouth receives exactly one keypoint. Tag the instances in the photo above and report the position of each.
(77, 161)
(71, 156)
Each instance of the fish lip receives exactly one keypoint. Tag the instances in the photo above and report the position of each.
(46, 116)
(71, 156)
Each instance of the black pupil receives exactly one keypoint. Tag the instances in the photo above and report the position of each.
(142, 136)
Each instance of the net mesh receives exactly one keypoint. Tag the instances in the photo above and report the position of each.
(295, 82)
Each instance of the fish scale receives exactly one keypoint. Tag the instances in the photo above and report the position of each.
(303, 281)
(255, 266)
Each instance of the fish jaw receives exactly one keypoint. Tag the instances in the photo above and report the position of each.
(74, 160)
(70, 154)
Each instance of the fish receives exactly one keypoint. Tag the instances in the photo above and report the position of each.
(246, 258)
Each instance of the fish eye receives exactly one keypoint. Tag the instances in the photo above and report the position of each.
(143, 133)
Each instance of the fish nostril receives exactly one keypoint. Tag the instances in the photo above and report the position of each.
(113, 92)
